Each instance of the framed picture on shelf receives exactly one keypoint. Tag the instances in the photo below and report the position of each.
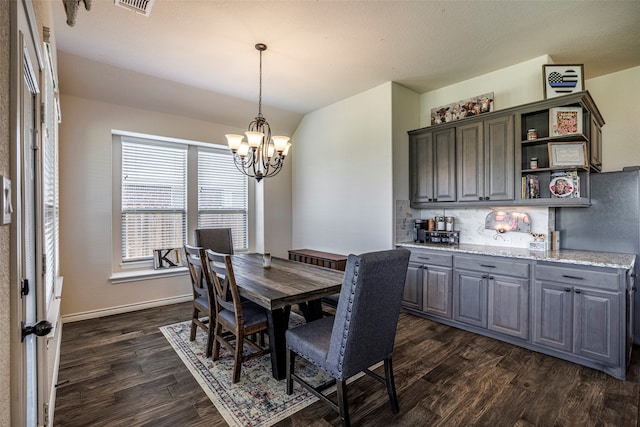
(565, 121)
(568, 154)
(559, 79)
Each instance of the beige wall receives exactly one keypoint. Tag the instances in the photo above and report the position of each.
(342, 175)
(5, 260)
(618, 98)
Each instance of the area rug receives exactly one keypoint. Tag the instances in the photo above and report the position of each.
(258, 399)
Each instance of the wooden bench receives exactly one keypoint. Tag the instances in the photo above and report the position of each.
(323, 259)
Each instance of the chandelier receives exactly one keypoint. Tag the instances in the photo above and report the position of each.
(262, 155)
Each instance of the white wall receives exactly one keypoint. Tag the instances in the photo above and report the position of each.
(617, 96)
(515, 85)
(342, 175)
(86, 204)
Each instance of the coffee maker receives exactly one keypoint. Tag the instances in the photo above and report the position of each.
(421, 226)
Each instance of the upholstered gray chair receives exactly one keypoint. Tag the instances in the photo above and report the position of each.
(217, 239)
(363, 331)
(203, 315)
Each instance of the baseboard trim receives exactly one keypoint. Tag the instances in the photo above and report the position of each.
(93, 314)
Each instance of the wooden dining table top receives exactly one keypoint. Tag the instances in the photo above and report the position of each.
(285, 283)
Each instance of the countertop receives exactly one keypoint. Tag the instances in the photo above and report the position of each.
(593, 258)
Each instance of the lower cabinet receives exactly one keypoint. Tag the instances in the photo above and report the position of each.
(573, 313)
(492, 294)
(428, 285)
(577, 312)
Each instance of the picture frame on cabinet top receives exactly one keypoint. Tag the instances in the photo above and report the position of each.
(562, 79)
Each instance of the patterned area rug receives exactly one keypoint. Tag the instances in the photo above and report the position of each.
(258, 399)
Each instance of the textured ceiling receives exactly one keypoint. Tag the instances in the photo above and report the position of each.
(320, 52)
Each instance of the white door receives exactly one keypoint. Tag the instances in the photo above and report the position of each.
(28, 221)
(31, 395)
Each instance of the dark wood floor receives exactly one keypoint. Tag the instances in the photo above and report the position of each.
(121, 371)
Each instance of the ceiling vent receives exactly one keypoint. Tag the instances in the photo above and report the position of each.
(142, 7)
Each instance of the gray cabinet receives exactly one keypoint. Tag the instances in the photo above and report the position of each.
(412, 296)
(492, 293)
(538, 116)
(470, 297)
(436, 292)
(432, 166)
(578, 311)
(428, 285)
(485, 160)
(575, 311)
(488, 158)
(508, 307)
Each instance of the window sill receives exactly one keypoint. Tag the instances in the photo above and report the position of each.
(138, 275)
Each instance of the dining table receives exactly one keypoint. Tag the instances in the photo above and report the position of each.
(277, 288)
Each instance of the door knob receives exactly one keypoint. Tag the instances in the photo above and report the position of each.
(40, 329)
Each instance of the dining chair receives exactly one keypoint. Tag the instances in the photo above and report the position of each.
(236, 320)
(203, 294)
(217, 239)
(362, 332)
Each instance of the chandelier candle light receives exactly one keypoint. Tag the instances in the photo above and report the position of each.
(262, 155)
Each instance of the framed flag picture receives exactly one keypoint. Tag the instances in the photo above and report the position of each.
(561, 80)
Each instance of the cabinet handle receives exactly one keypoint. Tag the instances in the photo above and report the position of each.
(487, 266)
(435, 200)
(430, 199)
(487, 198)
(572, 277)
(481, 198)
(491, 278)
(423, 257)
(577, 291)
(567, 289)
(484, 276)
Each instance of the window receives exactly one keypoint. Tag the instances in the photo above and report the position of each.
(167, 188)
(154, 198)
(222, 196)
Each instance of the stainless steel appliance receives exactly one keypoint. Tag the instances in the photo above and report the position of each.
(611, 224)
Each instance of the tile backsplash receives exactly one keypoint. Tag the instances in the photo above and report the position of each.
(470, 222)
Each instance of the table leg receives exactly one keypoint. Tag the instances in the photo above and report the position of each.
(312, 310)
(278, 321)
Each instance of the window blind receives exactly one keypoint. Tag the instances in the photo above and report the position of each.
(222, 195)
(154, 198)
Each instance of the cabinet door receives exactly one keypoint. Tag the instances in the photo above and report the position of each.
(596, 325)
(412, 296)
(436, 294)
(508, 307)
(470, 298)
(499, 146)
(444, 145)
(470, 146)
(595, 144)
(421, 167)
(552, 315)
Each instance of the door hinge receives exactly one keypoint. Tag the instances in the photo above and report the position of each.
(34, 142)
(42, 109)
(44, 264)
(24, 287)
(45, 414)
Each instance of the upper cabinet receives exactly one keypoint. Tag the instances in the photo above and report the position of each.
(536, 154)
(432, 166)
(560, 145)
(485, 160)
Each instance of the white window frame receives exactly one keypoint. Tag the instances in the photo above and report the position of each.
(143, 269)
